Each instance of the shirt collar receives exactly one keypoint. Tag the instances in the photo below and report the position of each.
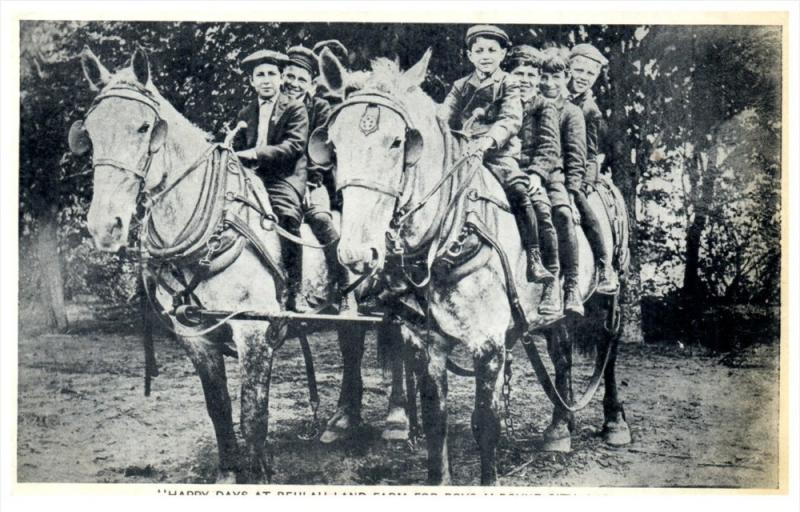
(475, 79)
(263, 101)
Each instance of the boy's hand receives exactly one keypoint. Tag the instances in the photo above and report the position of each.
(480, 146)
(247, 154)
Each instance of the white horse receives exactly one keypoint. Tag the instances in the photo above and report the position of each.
(403, 187)
(209, 235)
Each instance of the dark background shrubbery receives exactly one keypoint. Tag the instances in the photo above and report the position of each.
(694, 129)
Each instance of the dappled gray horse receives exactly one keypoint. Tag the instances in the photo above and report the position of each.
(208, 239)
(411, 206)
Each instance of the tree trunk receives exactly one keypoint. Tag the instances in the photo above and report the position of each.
(702, 195)
(51, 283)
(626, 177)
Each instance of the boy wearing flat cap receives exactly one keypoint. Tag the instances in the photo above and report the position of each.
(488, 102)
(298, 76)
(566, 178)
(539, 157)
(274, 141)
(586, 63)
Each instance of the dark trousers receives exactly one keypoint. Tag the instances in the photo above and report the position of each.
(548, 238)
(567, 242)
(286, 202)
(591, 226)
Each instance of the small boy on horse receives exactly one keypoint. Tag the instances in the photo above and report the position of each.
(566, 179)
(488, 100)
(540, 156)
(298, 76)
(274, 141)
(585, 63)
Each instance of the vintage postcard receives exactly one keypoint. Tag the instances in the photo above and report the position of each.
(270, 249)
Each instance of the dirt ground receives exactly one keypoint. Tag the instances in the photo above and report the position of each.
(697, 419)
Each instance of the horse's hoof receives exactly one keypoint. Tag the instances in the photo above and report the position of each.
(340, 427)
(397, 425)
(557, 438)
(617, 433)
(226, 477)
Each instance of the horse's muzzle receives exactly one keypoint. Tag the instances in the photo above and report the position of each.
(108, 237)
(361, 259)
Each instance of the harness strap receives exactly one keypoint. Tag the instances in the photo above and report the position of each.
(405, 213)
(511, 288)
(383, 188)
(239, 225)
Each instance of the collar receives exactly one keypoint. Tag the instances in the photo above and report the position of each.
(475, 79)
(579, 98)
(262, 101)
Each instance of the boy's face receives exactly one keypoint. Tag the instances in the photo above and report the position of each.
(266, 80)
(296, 81)
(552, 84)
(528, 78)
(486, 54)
(584, 73)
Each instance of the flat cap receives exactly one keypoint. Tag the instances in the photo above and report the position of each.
(524, 55)
(487, 31)
(589, 51)
(333, 45)
(264, 57)
(303, 57)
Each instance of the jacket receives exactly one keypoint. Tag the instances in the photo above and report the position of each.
(573, 142)
(499, 97)
(540, 138)
(286, 142)
(595, 126)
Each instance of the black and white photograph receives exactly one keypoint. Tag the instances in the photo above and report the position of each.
(354, 252)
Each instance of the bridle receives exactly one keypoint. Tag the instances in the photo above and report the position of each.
(140, 95)
(377, 98)
(133, 92)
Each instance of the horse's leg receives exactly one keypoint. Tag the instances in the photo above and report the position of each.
(207, 358)
(615, 427)
(397, 422)
(348, 413)
(431, 365)
(485, 419)
(557, 435)
(255, 363)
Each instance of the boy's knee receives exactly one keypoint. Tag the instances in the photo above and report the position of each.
(543, 211)
(562, 216)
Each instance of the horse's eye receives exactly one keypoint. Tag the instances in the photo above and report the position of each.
(144, 128)
(396, 144)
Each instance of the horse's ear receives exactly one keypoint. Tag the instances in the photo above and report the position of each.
(319, 149)
(415, 75)
(332, 72)
(414, 145)
(78, 138)
(140, 63)
(158, 136)
(94, 71)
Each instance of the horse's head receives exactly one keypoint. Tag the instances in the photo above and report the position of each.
(376, 145)
(123, 129)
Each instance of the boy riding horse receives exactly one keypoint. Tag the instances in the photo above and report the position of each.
(488, 102)
(585, 64)
(540, 156)
(275, 138)
(297, 83)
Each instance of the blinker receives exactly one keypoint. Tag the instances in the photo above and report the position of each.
(78, 138)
